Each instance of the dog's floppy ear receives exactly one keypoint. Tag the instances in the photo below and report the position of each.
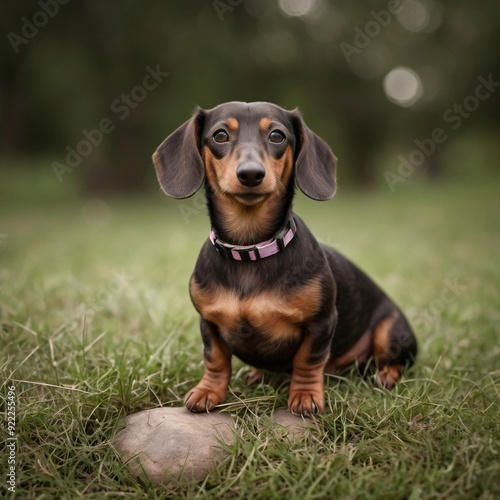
(315, 164)
(177, 160)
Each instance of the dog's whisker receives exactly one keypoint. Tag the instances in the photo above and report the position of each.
(280, 185)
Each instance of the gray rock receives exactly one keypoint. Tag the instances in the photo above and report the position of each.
(296, 427)
(173, 444)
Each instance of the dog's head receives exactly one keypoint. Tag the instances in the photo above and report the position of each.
(249, 152)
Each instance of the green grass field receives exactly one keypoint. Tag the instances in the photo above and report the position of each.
(96, 322)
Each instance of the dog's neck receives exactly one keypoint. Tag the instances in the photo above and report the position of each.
(247, 225)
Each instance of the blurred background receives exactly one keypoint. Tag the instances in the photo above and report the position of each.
(403, 91)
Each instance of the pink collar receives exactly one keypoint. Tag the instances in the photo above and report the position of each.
(259, 250)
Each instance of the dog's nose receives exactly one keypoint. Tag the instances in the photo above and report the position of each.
(250, 173)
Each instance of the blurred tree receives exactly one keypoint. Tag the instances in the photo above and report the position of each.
(74, 77)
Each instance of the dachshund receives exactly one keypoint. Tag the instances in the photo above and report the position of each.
(265, 289)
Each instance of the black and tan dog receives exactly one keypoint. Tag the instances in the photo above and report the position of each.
(265, 289)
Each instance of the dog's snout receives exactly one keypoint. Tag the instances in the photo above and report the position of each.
(250, 173)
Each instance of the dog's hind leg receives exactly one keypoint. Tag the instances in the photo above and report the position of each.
(394, 347)
(254, 377)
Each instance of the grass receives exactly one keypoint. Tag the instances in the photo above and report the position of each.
(96, 323)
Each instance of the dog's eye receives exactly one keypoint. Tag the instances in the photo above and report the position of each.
(276, 137)
(221, 136)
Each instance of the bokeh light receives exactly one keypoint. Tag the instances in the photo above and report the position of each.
(403, 86)
(420, 15)
(298, 8)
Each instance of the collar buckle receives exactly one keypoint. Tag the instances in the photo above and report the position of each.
(221, 248)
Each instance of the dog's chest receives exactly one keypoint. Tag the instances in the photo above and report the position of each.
(273, 314)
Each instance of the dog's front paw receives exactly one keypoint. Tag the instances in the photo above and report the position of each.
(201, 399)
(306, 402)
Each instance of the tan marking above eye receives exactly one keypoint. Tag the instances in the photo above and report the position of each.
(233, 124)
(264, 123)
